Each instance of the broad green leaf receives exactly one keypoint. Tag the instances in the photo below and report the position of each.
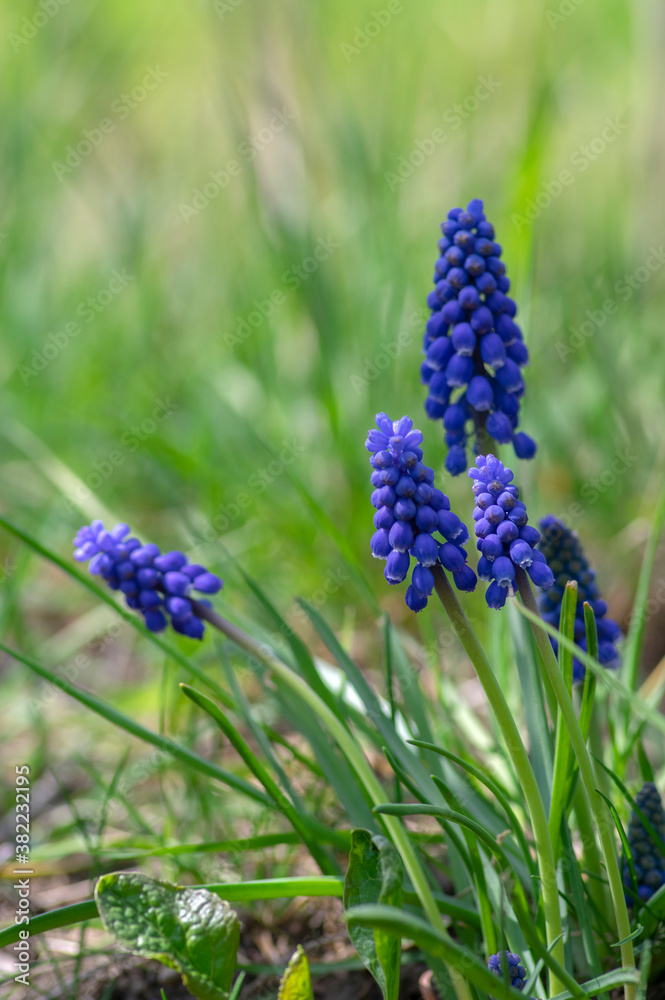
(375, 875)
(388, 947)
(188, 929)
(296, 983)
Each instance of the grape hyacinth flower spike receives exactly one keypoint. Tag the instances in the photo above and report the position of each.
(505, 541)
(648, 854)
(565, 557)
(158, 586)
(473, 348)
(410, 510)
(513, 964)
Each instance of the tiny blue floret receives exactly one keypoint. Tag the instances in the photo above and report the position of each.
(158, 586)
(410, 510)
(505, 541)
(507, 963)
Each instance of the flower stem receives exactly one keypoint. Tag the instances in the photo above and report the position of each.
(484, 443)
(602, 821)
(521, 763)
(349, 746)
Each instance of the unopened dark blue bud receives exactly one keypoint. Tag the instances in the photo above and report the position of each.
(562, 549)
(470, 335)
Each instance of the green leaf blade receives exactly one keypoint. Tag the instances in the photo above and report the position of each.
(188, 929)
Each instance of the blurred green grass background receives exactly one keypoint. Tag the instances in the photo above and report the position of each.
(355, 93)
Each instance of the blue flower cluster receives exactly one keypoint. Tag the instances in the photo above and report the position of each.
(505, 541)
(409, 510)
(516, 971)
(648, 855)
(472, 346)
(565, 557)
(156, 585)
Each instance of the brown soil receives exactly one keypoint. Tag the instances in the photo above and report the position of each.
(143, 982)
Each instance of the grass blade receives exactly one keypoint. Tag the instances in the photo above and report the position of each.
(116, 718)
(455, 954)
(489, 783)
(626, 852)
(232, 892)
(340, 838)
(562, 749)
(633, 644)
(606, 676)
(580, 901)
(644, 820)
(327, 865)
(461, 869)
(409, 761)
(341, 777)
(589, 691)
(540, 737)
(478, 874)
(301, 653)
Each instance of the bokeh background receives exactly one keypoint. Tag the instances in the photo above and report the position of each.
(218, 224)
(219, 220)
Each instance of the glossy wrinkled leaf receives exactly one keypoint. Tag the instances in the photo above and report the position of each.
(296, 983)
(188, 929)
(375, 875)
